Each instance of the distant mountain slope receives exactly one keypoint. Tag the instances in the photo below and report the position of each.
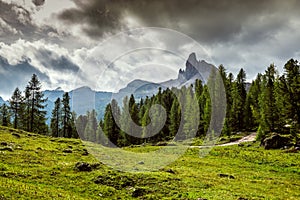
(81, 100)
(84, 98)
(194, 70)
(1, 101)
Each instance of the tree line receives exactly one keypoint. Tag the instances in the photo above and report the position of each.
(271, 103)
(26, 111)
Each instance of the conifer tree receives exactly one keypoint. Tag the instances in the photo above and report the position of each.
(239, 99)
(17, 107)
(268, 110)
(292, 74)
(175, 118)
(111, 129)
(81, 123)
(35, 106)
(253, 100)
(56, 119)
(198, 95)
(91, 126)
(68, 126)
(207, 108)
(4, 115)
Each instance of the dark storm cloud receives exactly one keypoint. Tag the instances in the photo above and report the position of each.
(12, 76)
(38, 2)
(53, 61)
(16, 22)
(205, 20)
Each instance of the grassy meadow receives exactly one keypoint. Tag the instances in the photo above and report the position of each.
(39, 167)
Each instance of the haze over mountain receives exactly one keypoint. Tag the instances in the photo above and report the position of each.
(84, 98)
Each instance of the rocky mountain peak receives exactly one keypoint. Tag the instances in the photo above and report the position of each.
(191, 69)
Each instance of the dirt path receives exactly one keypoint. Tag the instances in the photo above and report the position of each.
(248, 138)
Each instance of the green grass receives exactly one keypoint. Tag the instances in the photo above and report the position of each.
(37, 168)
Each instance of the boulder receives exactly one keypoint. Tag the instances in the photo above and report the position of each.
(67, 151)
(226, 176)
(83, 167)
(6, 149)
(276, 141)
(16, 135)
(137, 192)
(141, 162)
(3, 144)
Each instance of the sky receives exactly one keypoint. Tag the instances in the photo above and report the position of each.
(105, 44)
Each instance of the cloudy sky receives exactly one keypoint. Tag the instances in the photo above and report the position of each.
(106, 43)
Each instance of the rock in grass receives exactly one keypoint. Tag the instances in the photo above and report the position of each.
(170, 171)
(276, 141)
(137, 192)
(68, 151)
(85, 152)
(3, 144)
(16, 135)
(226, 176)
(141, 163)
(6, 149)
(83, 167)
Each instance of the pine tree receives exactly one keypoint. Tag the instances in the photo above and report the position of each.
(17, 107)
(68, 127)
(35, 105)
(239, 99)
(206, 101)
(175, 118)
(190, 114)
(283, 103)
(56, 119)
(111, 129)
(268, 101)
(4, 115)
(198, 95)
(253, 100)
(81, 123)
(145, 122)
(91, 127)
(292, 74)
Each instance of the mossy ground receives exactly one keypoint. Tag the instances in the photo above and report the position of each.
(38, 168)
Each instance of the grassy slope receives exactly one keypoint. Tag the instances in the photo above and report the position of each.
(38, 169)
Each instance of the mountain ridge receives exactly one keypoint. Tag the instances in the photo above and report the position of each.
(84, 98)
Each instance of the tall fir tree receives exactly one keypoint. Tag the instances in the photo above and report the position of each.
(292, 74)
(239, 95)
(17, 108)
(4, 115)
(269, 113)
(68, 126)
(91, 127)
(111, 130)
(36, 104)
(56, 119)
(175, 118)
(81, 122)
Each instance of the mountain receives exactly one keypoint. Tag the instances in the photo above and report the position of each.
(1, 101)
(52, 95)
(84, 98)
(81, 100)
(194, 69)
